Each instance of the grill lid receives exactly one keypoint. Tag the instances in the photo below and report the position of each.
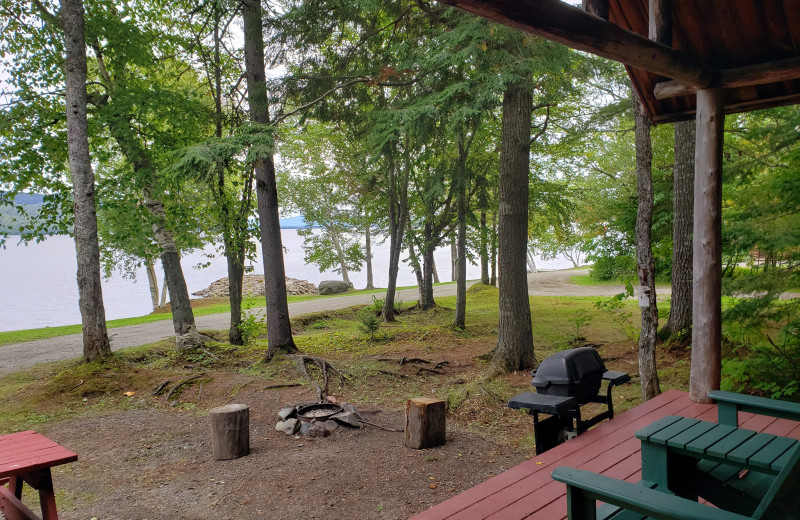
(568, 367)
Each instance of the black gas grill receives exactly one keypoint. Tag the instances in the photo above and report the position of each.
(564, 382)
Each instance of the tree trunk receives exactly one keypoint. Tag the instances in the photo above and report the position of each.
(279, 330)
(435, 272)
(453, 257)
(164, 290)
(235, 258)
(426, 291)
(645, 263)
(680, 312)
(186, 335)
(152, 281)
(532, 263)
(87, 248)
(459, 321)
(515, 338)
(493, 257)
(484, 245)
(398, 215)
(340, 255)
(368, 234)
(414, 260)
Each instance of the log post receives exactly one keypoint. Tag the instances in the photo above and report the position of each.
(425, 423)
(230, 431)
(706, 365)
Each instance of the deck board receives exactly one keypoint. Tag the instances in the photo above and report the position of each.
(527, 491)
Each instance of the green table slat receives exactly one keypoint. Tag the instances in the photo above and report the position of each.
(751, 447)
(701, 444)
(729, 443)
(692, 433)
(657, 426)
(662, 437)
(779, 463)
(771, 452)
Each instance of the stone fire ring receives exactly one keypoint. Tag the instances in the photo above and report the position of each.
(319, 412)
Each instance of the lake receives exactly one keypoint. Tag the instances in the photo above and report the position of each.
(40, 288)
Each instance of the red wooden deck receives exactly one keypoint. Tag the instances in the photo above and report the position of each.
(527, 491)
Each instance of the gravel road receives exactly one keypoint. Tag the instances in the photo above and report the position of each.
(19, 356)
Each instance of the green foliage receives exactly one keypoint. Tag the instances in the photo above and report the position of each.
(253, 326)
(767, 367)
(369, 322)
(620, 316)
(613, 268)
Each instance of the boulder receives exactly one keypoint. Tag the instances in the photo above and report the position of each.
(318, 430)
(286, 413)
(253, 285)
(348, 418)
(288, 426)
(333, 287)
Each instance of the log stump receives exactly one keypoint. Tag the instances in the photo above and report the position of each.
(425, 423)
(230, 431)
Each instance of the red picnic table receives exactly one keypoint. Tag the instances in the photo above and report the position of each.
(28, 457)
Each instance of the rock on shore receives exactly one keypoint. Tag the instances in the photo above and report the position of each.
(254, 286)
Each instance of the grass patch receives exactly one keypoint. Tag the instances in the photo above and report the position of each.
(200, 307)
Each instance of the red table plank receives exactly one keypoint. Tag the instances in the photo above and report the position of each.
(29, 451)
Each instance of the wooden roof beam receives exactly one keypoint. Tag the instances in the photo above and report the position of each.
(575, 28)
(760, 74)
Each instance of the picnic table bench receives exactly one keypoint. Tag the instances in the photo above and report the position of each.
(26, 457)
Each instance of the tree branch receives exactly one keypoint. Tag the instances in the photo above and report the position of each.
(47, 16)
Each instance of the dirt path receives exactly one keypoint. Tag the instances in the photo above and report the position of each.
(19, 356)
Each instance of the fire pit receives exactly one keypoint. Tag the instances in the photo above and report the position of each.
(564, 382)
(319, 412)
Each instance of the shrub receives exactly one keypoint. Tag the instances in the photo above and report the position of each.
(613, 268)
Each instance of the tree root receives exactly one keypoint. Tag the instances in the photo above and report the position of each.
(428, 370)
(160, 388)
(172, 392)
(324, 366)
(283, 385)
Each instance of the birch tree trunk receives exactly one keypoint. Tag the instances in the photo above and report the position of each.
(279, 330)
(645, 263)
(152, 281)
(87, 248)
(680, 311)
(514, 349)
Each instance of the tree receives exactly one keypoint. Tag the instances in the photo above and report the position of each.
(645, 264)
(680, 311)
(279, 333)
(95, 336)
(217, 162)
(514, 349)
(144, 131)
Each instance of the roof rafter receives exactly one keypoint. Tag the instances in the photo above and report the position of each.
(575, 28)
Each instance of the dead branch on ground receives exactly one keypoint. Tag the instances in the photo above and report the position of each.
(324, 366)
